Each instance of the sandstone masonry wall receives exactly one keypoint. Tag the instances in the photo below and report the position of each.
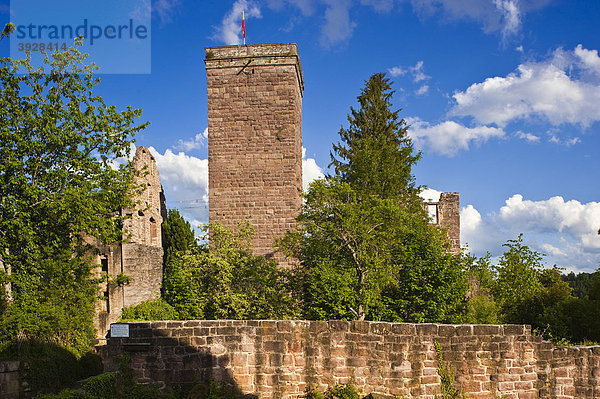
(255, 138)
(449, 217)
(140, 256)
(9, 380)
(278, 359)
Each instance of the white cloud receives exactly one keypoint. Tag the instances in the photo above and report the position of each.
(532, 138)
(511, 17)
(502, 16)
(552, 250)
(141, 12)
(310, 170)
(194, 143)
(430, 195)
(422, 90)
(479, 234)
(519, 48)
(306, 7)
(185, 181)
(566, 231)
(418, 73)
(550, 90)
(379, 5)
(164, 9)
(564, 142)
(449, 137)
(230, 31)
(338, 27)
(554, 214)
(588, 58)
(572, 141)
(396, 71)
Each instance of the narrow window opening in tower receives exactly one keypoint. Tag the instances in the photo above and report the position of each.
(153, 230)
(107, 301)
(432, 212)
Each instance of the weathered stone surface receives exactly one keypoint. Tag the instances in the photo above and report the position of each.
(140, 256)
(9, 379)
(446, 214)
(280, 359)
(255, 139)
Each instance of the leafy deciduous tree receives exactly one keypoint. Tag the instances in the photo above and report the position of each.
(366, 247)
(227, 281)
(57, 141)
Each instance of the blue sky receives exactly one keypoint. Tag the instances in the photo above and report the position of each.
(503, 99)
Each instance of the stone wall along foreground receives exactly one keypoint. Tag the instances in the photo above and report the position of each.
(279, 359)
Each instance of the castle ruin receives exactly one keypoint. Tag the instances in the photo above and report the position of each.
(445, 213)
(255, 172)
(140, 256)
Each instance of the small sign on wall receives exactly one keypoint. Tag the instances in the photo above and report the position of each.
(119, 330)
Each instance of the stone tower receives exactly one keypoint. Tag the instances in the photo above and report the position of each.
(255, 138)
(446, 214)
(140, 255)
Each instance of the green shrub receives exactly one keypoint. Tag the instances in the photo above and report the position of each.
(339, 391)
(66, 394)
(49, 367)
(446, 374)
(103, 386)
(156, 309)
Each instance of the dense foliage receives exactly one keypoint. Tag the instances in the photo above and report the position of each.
(49, 366)
(520, 290)
(225, 281)
(57, 143)
(156, 309)
(366, 248)
(120, 385)
(178, 235)
(581, 283)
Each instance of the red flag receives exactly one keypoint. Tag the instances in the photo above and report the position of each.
(243, 25)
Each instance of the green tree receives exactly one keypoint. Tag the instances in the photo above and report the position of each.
(518, 278)
(529, 293)
(178, 234)
(481, 306)
(365, 244)
(580, 283)
(227, 282)
(346, 245)
(375, 154)
(57, 143)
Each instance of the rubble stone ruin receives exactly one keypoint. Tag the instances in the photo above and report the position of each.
(446, 214)
(255, 139)
(140, 255)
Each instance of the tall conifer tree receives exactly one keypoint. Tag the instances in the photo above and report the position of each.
(375, 154)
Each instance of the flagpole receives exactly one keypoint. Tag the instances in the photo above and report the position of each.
(244, 27)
